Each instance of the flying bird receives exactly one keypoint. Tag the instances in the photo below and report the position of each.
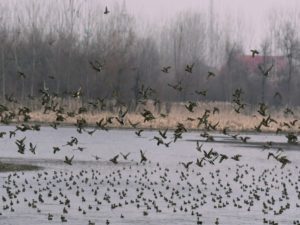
(254, 52)
(166, 69)
(106, 11)
(69, 160)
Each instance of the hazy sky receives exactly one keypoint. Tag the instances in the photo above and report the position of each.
(254, 13)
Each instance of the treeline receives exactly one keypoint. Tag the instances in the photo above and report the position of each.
(73, 45)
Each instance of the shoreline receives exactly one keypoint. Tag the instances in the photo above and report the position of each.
(16, 167)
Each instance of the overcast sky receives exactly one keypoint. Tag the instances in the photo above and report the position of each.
(254, 13)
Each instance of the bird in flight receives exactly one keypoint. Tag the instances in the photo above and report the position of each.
(254, 52)
(125, 156)
(114, 160)
(106, 11)
(189, 68)
(96, 157)
(166, 69)
(69, 160)
(143, 157)
(267, 71)
(186, 165)
(21, 74)
(210, 74)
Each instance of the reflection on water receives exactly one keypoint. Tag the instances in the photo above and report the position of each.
(251, 191)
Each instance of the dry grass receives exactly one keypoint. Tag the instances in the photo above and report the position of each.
(227, 117)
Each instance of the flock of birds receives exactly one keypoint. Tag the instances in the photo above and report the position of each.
(146, 187)
(136, 193)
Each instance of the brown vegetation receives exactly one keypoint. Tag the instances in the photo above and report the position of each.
(226, 117)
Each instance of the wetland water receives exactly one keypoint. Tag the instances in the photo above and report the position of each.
(252, 191)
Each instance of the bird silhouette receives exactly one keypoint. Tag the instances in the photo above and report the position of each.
(55, 149)
(189, 68)
(236, 157)
(254, 52)
(114, 160)
(106, 11)
(190, 107)
(125, 157)
(96, 157)
(210, 74)
(69, 160)
(22, 75)
(267, 71)
(186, 165)
(138, 132)
(143, 157)
(21, 145)
(199, 147)
(32, 148)
(203, 93)
(166, 69)
(163, 134)
(97, 66)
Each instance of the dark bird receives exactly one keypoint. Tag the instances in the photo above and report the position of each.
(189, 68)
(106, 11)
(203, 93)
(21, 145)
(96, 157)
(282, 159)
(32, 148)
(200, 162)
(125, 156)
(177, 86)
(222, 157)
(159, 140)
(225, 130)
(254, 52)
(69, 160)
(293, 123)
(148, 116)
(186, 165)
(236, 157)
(190, 106)
(167, 144)
(210, 74)
(79, 149)
(216, 110)
(114, 160)
(77, 94)
(292, 138)
(138, 132)
(267, 71)
(163, 134)
(134, 125)
(96, 65)
(277, 95)
(2, 134)
(55, 149)
(288, 111)
(262, 109)
(143, 157)
(166, 69)
(21, 74)
(73, 141)
(12, 134)
(244, 139)
(199, 147)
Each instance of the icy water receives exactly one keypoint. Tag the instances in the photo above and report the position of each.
(252, 191)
